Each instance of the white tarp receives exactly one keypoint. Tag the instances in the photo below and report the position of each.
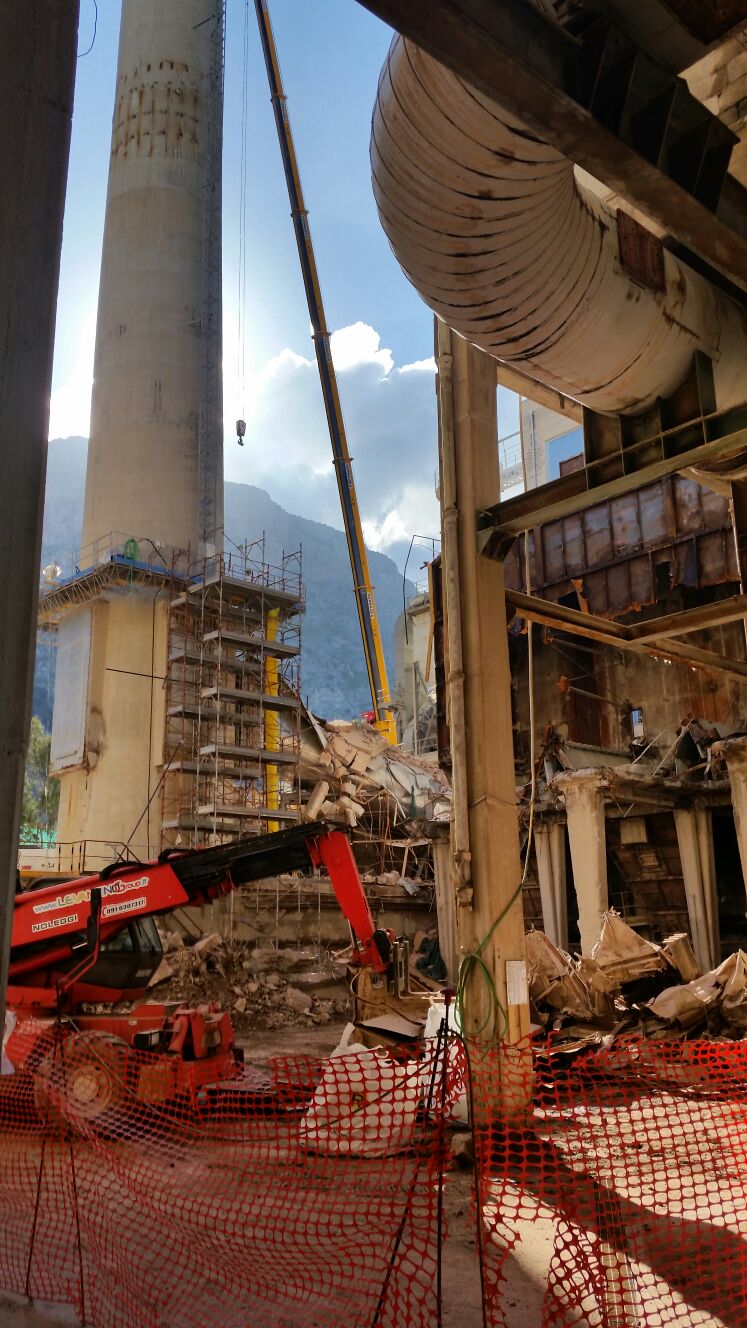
(71, 691)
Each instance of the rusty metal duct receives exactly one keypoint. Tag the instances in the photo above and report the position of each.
(495, 232)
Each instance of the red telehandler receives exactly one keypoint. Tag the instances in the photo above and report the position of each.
(94, 939)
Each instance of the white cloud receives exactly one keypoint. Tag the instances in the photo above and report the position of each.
(70, 406)
(359, 344)
(390, 417)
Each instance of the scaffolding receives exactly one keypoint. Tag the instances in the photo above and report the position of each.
(232, 744)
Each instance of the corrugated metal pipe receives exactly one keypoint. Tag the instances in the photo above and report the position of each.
(495, 232)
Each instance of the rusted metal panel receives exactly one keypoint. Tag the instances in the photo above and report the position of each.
(633, 549)
(571, 541)
(598, 531)
(692, 510)
(571, 464)
(642, 584)
(641, 252)
(653, 520)
(625, 521)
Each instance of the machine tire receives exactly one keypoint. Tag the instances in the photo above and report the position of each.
(82, 1083)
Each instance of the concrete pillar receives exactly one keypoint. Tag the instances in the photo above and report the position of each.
(485, 833)
(695, 841)
(735, 752)
(37, 78)
(549, 848)
(104, 795)
(582, 791)
(445, 910)
(143, 455)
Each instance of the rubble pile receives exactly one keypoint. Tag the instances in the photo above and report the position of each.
(630, 985)
(355, 774)
(260, 988)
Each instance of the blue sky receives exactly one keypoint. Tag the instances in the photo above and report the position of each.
(331, 52)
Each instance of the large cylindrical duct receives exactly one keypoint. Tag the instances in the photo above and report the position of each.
(144, 453)
(495, 232)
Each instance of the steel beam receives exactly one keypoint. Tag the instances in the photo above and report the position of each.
(511, 53)
(498, 526)
(619, 635)
(699, 619)
(518, 381)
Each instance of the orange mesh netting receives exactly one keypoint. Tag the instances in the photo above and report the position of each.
(622, 1201)
(307, 1195)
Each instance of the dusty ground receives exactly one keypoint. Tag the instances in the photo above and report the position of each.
(460, 1267)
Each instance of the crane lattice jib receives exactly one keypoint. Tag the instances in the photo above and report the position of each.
(364, 594)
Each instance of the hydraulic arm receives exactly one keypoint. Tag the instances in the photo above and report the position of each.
(364, 594)
(50, 925)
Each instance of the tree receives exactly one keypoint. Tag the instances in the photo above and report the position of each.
(41, 794)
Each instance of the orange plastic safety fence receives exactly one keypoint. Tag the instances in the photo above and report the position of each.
(612, 1189)
(303, 1197)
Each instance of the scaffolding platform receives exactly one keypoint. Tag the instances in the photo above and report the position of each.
(233, 751)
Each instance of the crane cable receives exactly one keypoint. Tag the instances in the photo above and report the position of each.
(241, 338)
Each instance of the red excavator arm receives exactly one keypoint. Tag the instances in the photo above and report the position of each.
(50, 925)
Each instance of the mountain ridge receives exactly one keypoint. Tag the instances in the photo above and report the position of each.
(333, 672)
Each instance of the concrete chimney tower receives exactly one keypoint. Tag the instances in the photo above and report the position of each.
(154, 484)
(143, 473)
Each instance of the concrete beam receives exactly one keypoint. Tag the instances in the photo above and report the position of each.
(37, 78)
(583, 794)
(695, 839)
(511, 53)
(618, 635)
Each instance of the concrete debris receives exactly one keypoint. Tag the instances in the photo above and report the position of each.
(162, 973)
(724, 988)
(623, 955)
(351, 763)
(679, 951)
(462, 1150)
(629, 985)
(554, 982)
(251, 983)
(298, 1000)
(208, 944)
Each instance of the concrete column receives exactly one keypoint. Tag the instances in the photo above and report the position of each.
(695, 841)
(485, 849)
(549, 848)
(104, 796)
(582, 791)
(37, 68)
(735, 752)
(445, 908)
(37, 77)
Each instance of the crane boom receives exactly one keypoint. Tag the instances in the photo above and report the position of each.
(364, 593)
